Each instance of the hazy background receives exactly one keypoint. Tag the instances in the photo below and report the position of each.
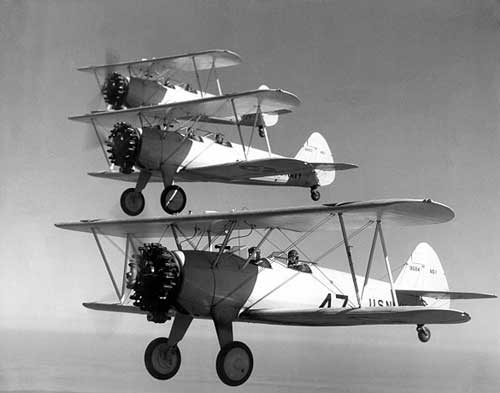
(407, 90)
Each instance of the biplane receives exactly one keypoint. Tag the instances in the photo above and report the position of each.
(157, 133)
(204, 275)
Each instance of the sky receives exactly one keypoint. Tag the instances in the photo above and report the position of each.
(407, 90)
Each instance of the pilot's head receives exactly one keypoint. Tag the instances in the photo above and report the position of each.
(293, 256)
(251, 250)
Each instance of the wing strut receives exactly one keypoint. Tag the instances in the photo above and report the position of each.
(100, 143)
(176, 237)
(197, 76)
(224, 243)
(110, 273)
(239, 128)
(387, 264)
(124, 278)
(376, 233)
(349, 258)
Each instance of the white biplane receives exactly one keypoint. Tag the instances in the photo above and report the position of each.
(156, 132)
(219, 284)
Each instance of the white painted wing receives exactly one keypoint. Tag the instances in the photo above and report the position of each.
(152, 68)
(443, 294)
(356, 316)
(251, 169)
(272, 101)
(401, 212)
(114, 307)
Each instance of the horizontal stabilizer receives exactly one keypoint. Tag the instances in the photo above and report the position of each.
(356, 316)
(444, 294)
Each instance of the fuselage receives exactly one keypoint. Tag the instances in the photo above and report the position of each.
(182, 152)
(233, 289)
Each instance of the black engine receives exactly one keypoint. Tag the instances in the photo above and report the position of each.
(115, 90)
(155, 276)
(124, 145)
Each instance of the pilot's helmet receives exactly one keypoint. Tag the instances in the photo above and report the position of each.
(251, 250)
(293, 256)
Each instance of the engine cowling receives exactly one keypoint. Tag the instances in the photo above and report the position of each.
(124, 146)
(154, 276)
(115, 90)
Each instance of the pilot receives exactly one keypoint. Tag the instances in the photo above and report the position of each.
(256, 256)
(293, 262)
(257, 259)
(293, 258)
(219, 138)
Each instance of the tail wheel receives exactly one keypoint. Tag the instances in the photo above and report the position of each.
(162, 361)
(132, 202)
(173, 199)
(234, 363)
(424, 334)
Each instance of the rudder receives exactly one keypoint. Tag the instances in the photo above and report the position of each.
(316, 150)
(423, 271)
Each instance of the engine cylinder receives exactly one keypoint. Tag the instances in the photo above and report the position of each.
(115, 90)
(154, 276)
(124, 145)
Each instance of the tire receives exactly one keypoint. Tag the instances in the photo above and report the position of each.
(132, 202)
(173, 199)
(234, 363)
(162, 362)
(315, 195)
(424, 334)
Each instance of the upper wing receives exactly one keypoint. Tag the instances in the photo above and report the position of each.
(443, 294)
(390, 211)
(412, 315)
(272, 101)
(156, 67)
(243, 170)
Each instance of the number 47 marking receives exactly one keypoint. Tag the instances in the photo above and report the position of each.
(328, 300)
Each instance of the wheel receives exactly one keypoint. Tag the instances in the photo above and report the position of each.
(132, 202)
(424, 334)
(161, 361)
(315, 195)
(234, 363)
(173, 199)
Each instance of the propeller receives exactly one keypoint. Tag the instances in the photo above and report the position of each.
(97, 102)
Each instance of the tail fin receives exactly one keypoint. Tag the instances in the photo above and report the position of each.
(423, 272)
(316, 150)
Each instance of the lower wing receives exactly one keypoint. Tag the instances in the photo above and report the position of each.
(243, 170)
(356, 316)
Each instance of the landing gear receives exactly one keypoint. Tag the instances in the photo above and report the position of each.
(162, 361)
(424, 334)
(173, 199)
(315, 195)
(234, 363)
(132, 202)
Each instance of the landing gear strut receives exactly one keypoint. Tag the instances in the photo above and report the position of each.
(162, 361)
(315, 195)
(173, 199)
(132, 202)
(424, 334)
(234, 363)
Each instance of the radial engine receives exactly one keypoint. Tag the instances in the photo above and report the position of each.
(155, 276)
